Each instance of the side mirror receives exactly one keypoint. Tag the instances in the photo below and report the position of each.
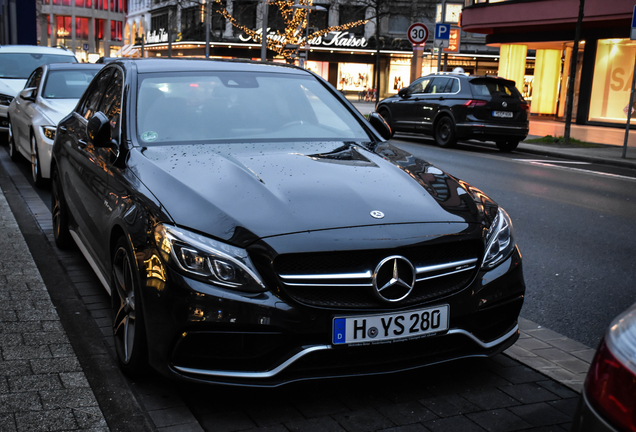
(403, 92)
(380, 125)
(98, 130)
(29, 94)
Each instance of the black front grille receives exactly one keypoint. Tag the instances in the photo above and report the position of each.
(355, 295)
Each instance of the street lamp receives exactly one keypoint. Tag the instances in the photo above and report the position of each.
(309, 8)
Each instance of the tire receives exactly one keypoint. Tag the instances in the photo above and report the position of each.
(13, 151)
(507, 146)
(445, 135)
(386, 115)
(128, 320)
(36, 168)
(61, 232)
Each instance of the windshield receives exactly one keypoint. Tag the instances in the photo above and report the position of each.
(240, 106)
(66, 84)
(20, 65)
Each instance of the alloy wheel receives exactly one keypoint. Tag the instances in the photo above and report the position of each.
(125, 314)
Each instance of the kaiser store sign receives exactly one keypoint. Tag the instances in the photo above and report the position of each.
(342, 39)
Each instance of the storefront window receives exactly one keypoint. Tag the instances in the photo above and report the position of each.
(613, 71)
(399, 75)
(320, 68)
(355, 76)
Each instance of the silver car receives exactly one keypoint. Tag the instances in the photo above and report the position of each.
(16, 63)
(50, 93)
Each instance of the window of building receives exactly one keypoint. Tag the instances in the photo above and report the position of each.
(99, 29)
(217, 20)
(63, 26)
(350, 14)
(81, 28)
(245, 13)
(159, 22)
(80, 3)
(116, 32)
(318, 19)
(275, 18)
(117, 6)
(399, 24)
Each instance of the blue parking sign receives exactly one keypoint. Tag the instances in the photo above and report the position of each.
(442, 31)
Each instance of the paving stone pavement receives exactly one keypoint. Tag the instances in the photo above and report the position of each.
(42, 385)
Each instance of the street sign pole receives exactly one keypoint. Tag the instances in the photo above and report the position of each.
(630, 107)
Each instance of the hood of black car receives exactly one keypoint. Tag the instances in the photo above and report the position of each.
(273, 189)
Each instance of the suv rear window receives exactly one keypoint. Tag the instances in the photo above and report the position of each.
(491, 87)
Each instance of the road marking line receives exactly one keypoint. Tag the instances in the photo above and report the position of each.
(554, 161)
(566, 168)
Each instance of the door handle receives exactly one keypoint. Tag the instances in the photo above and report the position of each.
(441, 98)
(62, 128)
(82, 143)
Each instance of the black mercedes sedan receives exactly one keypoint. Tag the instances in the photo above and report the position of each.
(452, 106)
(253, 228)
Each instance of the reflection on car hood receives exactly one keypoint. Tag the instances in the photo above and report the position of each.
(11, 87)
(277, 188)
(56, 109)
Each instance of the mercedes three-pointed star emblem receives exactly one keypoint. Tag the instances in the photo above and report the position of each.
(394, 278)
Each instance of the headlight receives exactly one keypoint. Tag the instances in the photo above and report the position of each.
(5, 100)
(208, 260)
(49, 132)
(499, 241)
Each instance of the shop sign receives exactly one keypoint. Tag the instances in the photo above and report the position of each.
(157, 38)
(335, 39)
(453, 41)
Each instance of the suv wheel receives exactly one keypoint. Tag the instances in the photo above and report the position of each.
(445, 135)
(507, 146)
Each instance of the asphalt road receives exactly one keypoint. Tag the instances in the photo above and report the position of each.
(575, 224)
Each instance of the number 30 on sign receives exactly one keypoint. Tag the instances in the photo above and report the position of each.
(417, 33)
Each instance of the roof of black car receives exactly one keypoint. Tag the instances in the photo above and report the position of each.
(176, 65)
(74, 66)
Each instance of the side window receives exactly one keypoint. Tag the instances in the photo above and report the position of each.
(93, 95)
(454, 86)
(111, 102)
(439, 85)
(34, 79)
(419, 86)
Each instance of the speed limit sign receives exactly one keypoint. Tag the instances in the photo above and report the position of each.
(417, 34)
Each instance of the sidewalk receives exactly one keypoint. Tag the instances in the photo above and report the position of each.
(42, 384)
(609, 139)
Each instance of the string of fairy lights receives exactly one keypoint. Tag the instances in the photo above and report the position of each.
(296, 22)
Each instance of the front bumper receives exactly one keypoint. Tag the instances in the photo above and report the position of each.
(201, 333)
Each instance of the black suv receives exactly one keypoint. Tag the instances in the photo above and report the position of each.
(451, 106)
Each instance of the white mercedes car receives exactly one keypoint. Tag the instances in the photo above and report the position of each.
(50, 93)
(16, 64)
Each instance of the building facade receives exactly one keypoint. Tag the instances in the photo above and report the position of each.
(605, 61)
(89, 28)
(346, 58)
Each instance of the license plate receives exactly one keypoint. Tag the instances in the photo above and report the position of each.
(504, 114)
(390, 327)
